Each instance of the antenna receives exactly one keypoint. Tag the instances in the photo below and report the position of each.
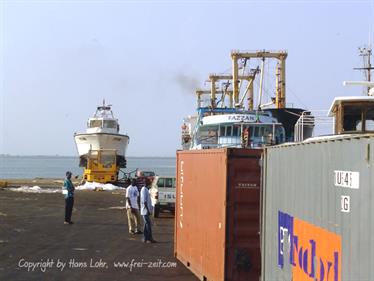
(365, 53)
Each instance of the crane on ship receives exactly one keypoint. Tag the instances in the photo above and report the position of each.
(281, 56)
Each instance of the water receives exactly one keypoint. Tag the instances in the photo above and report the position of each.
(24, 167)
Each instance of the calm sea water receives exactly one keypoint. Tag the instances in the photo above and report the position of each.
(55, 166)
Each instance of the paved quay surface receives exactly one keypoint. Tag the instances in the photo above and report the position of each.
(32, 231)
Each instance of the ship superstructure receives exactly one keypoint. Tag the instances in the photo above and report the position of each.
(230, 118)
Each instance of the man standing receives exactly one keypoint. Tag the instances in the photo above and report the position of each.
(146, 211)
(68, 191)
(132, 208)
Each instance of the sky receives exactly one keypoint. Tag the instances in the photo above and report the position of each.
(60, 59)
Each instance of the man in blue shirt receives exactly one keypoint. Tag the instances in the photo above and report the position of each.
(68, 191)
(146, 212)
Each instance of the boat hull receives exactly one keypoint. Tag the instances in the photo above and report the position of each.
(99, 141)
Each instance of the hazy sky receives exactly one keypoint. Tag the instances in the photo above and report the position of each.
(59, 59)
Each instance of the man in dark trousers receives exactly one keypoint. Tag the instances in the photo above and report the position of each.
(146, 212)
(68, 191)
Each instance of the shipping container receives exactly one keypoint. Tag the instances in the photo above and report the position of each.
(217, 214)
(318, 210)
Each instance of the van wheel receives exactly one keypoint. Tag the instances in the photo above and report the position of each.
(156, 212)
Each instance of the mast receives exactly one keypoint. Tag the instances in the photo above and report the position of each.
(366, 53)
(281, 56)
(213, 78)
(261, 83)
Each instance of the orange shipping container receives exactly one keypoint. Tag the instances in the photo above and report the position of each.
(217, 214)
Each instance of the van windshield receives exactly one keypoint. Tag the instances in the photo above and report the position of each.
(166, 183)
(148, 174)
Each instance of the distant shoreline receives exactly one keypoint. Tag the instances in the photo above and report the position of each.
(76, 156)
(29, 167)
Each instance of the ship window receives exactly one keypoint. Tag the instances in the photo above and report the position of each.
(235, 131)
(279, 135)
(261, 131)
(228, 131)
(369, 120)
(358, 118)
(112, 124)
(222, 131)
(95, 123)
(208, 135)
(352, 118)
(267, 130)
(369, 125)
(251, 131)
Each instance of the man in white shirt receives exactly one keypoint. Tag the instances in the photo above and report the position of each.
(146, 212)
(132, 208)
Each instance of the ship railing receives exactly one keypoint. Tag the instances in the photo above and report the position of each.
(313, 123)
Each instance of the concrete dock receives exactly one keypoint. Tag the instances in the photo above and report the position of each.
(36, 245)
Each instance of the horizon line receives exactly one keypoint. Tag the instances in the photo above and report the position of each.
(57, 155)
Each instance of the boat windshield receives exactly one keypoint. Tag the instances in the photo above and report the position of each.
(112, 124)
(208, 135)
(99, 123)
(95, 123)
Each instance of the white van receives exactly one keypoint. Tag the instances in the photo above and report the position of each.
(163, 194)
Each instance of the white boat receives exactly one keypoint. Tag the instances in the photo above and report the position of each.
(102, 133)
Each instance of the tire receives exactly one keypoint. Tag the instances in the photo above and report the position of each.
(156, 212)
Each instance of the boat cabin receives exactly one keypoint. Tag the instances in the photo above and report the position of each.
(252, 130)
(353, 114)
(103, 121)
(102, 125)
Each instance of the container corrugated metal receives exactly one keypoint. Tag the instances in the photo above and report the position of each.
(217, 213)
(318, 210)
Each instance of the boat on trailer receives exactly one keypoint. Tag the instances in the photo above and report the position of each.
(102, 133)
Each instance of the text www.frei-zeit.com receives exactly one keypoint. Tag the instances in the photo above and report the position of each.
(144, 264)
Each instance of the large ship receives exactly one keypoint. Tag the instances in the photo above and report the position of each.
(226, 120)
(103, 144)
